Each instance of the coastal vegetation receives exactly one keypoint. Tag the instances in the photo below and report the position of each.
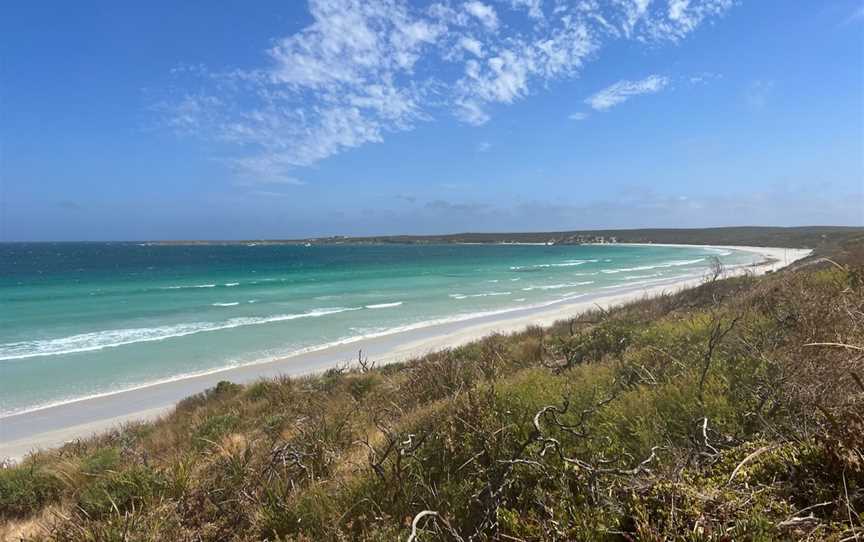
(730, 411)
(823, 238)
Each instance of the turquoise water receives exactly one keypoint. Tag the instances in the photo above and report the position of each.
(78, 320)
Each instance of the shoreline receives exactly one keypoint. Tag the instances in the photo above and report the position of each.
(54, 425)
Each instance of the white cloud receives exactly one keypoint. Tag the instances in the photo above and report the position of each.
(624, 90)
(578, 116)
(472, 46)
(534, 7)
(677, 9)
(484, 146)
(703, 77)
(485, 13)
(682, 17)
(363, 69)
(506, 76)
(471, 112)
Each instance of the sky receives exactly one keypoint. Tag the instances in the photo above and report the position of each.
(299, 118)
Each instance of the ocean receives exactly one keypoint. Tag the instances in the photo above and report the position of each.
(79, 320)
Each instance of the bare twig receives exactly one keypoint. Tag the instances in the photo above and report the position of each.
(416, 523)
(838, 345)
(837, 265)
(705, 435)
(748, 459)
(798, 521)
(364, 363)
(718, 333)
(849, 509)
(796, 518)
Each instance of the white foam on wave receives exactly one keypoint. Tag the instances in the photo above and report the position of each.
(384, 305)
(232, 304)
(229, 284)
(634, 277)
(487, 294)
(374, 334)
(649, 281)
(675, 263)
(184, 286)
(571, 263)
(112, 338)
(558, 286)
(536, 267)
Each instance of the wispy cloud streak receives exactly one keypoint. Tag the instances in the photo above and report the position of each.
(364, 69)
(622, 91)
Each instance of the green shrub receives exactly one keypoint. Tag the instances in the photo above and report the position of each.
(606, 339)
(272, 424)
(214, 428)
(360, 385)
(101, 461)
(24, 490)
(120, 491)
(263, 389)
(222, 391)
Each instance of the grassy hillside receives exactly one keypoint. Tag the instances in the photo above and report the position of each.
(733, 411)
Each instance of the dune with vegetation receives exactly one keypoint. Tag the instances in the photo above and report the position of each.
(730, 411)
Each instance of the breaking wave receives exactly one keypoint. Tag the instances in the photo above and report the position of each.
(112, 338)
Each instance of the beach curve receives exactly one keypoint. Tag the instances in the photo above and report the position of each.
(54, 425)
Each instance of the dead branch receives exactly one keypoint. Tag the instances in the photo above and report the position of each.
(716, 270)
(555, 444)
(719, 330)
(415, 524)
(849, 509)
(705, 436)
(838, 345)
(748, 459)
(364, 363)
(798, 521)
(796, 518)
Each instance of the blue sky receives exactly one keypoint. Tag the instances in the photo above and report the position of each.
(163, 120)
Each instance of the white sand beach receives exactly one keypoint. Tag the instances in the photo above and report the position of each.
(52, 426)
